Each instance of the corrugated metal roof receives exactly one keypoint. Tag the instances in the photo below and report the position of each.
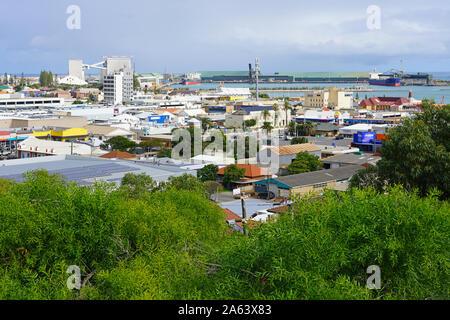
(321, 176)
(294, 149)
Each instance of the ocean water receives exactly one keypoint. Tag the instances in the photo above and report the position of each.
(419, 92)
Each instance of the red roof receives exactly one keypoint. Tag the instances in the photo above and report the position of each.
(250, 171)
(384, 101)
(233, 216)
(5, 133)
(116, 154)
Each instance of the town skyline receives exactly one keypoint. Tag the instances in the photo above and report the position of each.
(200, 35)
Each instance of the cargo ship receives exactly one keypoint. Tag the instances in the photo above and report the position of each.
(191, 78)
(379, 79)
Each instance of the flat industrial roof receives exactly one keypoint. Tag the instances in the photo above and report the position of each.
(87, 170)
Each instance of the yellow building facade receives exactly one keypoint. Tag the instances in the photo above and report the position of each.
(63, 135)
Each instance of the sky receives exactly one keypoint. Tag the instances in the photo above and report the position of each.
(177, 36)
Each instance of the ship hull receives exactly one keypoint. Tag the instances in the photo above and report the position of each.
(190, 82)
(388, 82)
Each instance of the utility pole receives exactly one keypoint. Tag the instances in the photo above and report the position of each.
(244, 213)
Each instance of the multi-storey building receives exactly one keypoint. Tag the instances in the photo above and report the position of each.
(117, 78)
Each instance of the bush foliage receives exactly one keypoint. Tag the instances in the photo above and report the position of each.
(174, 244)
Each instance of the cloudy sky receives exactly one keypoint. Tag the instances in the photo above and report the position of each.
(190, 35)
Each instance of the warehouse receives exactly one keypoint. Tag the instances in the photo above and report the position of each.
(88, 170)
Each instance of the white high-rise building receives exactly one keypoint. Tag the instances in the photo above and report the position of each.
(113, 88)
(117, 78)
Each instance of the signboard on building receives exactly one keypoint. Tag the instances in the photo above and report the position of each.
(365, 137)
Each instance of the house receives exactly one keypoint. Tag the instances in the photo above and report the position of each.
(384, 103)
(327, 129)
(104, 133)
(235, 221)
(348, 159)
(286, 154)
(252, 173)
(277, 118)
(303, 183)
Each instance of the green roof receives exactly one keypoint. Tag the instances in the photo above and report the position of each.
(324, 74)
(152, 74)
(208, 74)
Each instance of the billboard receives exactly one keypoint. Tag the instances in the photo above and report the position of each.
(365, 137)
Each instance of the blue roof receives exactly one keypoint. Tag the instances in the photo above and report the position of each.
(87, 170)
(255, 108)
(278, 183)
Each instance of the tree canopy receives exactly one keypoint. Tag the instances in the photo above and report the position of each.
(416, 153)
(232, 173)
(174, 244)
(304, 162)
(122, 144)
(299, 140)
(208, 173)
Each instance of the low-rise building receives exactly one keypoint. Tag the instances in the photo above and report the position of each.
(286, 154)
(277, 118)
(335, 98)
(304, 183)
(88, 170)
(34, 148)
(104, 133)
(361, 159)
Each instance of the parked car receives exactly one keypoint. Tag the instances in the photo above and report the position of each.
(264, 195)
(339, 138)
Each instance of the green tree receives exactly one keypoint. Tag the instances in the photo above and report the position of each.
(292, 128)
(136, 85)
(322, 249)
(415, 156)
(232, 173)
(148, 145)
(437, 119)
(304, 162)
(206, 123)
(287, 108)
(49, 79)
(368, 178)
(299, 140)
(185, 182)
(164, 153)
(137, 185)
(306, 129)
(250, 123)
(267, 126)
(208, 173)
(122, 144)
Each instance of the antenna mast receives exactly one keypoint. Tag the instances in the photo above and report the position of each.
(257, 77)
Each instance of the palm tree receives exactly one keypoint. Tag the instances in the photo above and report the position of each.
(275, 108)
(267, 126)
(266, 114)
(287, 107)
